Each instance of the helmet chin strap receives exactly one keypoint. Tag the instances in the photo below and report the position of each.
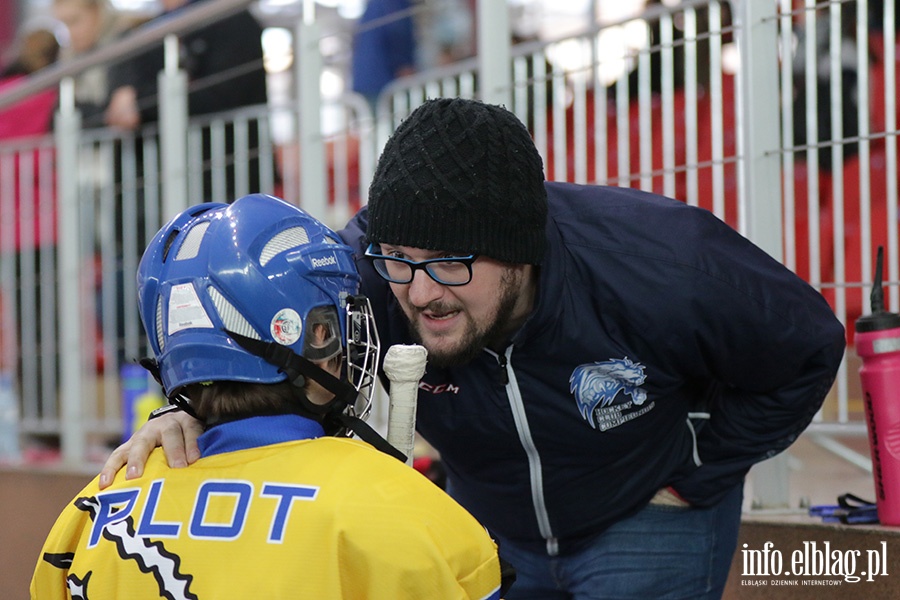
(298, 369)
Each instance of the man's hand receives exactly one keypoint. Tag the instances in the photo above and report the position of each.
(176, 432)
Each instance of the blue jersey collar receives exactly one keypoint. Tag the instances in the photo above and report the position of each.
(257, 431)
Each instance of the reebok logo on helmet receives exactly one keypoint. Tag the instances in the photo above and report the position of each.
(330, 261)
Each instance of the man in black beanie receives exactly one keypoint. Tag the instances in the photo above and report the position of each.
(605, 364)
(463, 179)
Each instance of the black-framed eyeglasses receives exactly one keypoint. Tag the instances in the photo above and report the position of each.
(452, 270)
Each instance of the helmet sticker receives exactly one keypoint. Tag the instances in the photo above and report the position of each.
(286, 326)
(185, 310)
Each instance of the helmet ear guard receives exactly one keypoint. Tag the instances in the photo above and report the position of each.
(323, 334)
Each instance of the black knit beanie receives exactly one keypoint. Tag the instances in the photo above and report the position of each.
(464, 177)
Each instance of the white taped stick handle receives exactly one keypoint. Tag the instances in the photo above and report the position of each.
(404, 365)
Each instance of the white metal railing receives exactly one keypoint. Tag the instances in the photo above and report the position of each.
(683, 118)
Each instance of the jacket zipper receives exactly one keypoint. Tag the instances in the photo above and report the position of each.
(534, 459)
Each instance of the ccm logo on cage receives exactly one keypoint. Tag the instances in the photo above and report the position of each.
(220, 496)
(324, 262)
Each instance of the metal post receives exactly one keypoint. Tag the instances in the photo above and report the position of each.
(173, 120)
(313, 190)
(67, 131)
(494, 62)
(760, 182)
(760, 168)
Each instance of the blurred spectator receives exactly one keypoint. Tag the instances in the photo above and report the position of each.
(90, 24)
(33, 116)
(384, 47)
(223, 61)
(224, 65)
(445, 32)
(35, 50)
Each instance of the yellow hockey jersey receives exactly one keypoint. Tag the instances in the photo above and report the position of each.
(269, 512)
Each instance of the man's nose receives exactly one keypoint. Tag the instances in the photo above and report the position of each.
(423, 289)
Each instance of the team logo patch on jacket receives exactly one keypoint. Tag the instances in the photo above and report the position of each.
(597, 388)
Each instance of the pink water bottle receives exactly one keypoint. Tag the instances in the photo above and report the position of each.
(878, 344)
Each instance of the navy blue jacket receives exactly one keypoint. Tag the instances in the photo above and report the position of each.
(664, 349)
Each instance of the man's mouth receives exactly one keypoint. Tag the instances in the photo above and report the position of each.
(439, 316)
(438, 320)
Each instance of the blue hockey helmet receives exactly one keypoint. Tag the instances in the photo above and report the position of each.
(262, 271)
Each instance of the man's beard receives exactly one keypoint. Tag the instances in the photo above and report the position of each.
(474, 341)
